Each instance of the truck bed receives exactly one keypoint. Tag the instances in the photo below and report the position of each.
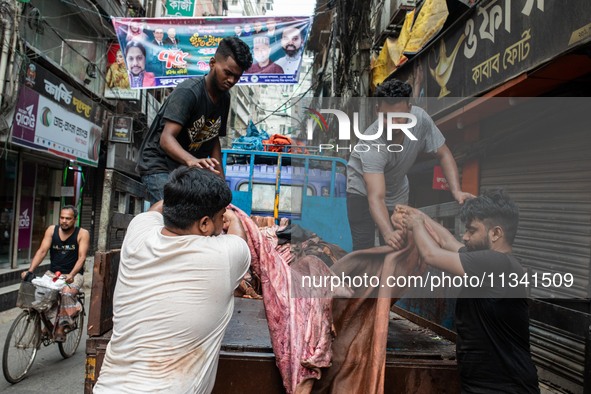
(417, 359)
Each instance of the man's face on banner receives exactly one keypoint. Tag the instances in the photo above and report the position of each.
(261, 52)
(158, 35)
(135, 28)
(291, 41)
(136, 61)
(122, 123)
(270, 25)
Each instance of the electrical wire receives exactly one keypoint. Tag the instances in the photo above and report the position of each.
(281, 106)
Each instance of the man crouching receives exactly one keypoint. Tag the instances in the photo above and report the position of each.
(492, 320)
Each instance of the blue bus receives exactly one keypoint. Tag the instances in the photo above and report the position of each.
(273, 184)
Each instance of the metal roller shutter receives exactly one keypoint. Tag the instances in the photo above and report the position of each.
(550, 181)
(548, 175)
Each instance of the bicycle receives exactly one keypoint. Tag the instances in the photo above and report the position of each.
(26, 334)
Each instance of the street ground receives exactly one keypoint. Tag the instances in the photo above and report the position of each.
(51, 373)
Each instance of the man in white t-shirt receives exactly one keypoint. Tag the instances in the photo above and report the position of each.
(174, 294)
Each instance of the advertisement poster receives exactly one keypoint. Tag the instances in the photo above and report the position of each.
(161, 52)
(117, 80)
(121, 129)
(439, 181)
(42, 124)
(62, 93)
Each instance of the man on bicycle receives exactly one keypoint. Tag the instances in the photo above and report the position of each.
(67, 246)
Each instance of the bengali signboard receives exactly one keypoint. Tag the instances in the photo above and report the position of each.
(502, 39)
(50, 86)
(42, 124)
(161, 52)
(180, 7)
(124, 157)
(27, 204)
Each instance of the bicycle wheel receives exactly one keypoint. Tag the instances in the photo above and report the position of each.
(69, 346)
(21, 346)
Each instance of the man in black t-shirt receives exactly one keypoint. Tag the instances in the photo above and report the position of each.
(492, 320)
(67, 246)
(187, 127)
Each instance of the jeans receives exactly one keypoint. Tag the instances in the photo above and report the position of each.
(155, 185)
(363, 228)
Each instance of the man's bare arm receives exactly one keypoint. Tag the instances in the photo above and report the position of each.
(375, 184)
(170, 145)
(447, 239)
(234, 224)
(42, 251)
(431, 253)
(157, 207)
(216, 154)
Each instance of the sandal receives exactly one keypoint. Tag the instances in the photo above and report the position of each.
(59, 335)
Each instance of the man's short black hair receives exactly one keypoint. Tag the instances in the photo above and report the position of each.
(71, 208)
(395, 90)
(493, 208)
(237, 49)
(192, 193)
(135, 44)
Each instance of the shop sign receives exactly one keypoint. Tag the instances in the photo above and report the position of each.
(24, 222)
(41, 124)
(439, 181)
(55, 89)
(180, 7)
(501, 40)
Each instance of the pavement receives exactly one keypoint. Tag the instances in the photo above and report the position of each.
(50, 372)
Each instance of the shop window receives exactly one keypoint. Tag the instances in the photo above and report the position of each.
(263, 197)
(79, 57)
(8, 167)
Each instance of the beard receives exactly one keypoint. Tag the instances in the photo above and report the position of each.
(291, 50)
(484, 244)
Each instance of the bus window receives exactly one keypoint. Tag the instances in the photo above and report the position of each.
(263, 197)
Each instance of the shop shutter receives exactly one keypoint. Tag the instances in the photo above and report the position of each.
(548, 175)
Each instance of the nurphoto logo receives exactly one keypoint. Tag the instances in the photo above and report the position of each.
(390, 122)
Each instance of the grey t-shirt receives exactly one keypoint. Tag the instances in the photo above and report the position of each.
(203, 121)
(394, 165)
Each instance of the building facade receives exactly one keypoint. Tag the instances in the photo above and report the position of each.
(51, 61)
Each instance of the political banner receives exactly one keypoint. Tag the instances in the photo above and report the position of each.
(117, 79)
(162, 52)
